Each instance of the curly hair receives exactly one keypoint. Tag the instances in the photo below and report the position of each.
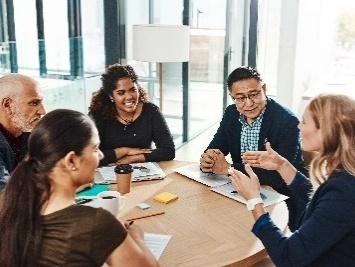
(101, 102)
(334, 115)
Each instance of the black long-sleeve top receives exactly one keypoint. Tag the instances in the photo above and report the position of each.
(149, 127)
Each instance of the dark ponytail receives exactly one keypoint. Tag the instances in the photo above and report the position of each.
(28, 189)
(22, 213)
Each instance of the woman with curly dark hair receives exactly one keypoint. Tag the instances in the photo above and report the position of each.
(127, 122)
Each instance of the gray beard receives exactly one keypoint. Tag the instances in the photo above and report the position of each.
(20, 121)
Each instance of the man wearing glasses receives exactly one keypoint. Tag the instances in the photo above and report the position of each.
(246, 126)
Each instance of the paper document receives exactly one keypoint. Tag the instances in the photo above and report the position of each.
(141, 172)
(222, 184)
(193, 172)
(269, 197)
(156, 243)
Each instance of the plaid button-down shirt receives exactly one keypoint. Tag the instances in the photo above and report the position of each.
(250, 133)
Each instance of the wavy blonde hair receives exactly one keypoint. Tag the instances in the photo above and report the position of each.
(334, 115)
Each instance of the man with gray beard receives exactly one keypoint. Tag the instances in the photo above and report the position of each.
(20, 109)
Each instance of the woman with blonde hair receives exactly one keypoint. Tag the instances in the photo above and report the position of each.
(326, 232)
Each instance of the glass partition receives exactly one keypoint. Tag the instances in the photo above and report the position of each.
(26, 36)
(93, 37)
(208, 34)
(55, 38)
(4, 57)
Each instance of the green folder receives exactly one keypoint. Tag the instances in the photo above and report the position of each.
(91, 192)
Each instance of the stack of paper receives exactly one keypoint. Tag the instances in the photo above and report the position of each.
(222, 184)
(268, 196)
(156, 243)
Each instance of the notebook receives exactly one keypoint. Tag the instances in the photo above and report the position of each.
(145, 171)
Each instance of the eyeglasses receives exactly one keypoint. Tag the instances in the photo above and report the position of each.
(243, 99)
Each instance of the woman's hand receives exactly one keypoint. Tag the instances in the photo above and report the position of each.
(84, 186)
(247, 187)
(134, 230)
(132, 251)
(127, 155)
(131, 151)
(136, 151)
(269, 159)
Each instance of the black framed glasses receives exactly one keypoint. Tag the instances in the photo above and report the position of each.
(243, 99)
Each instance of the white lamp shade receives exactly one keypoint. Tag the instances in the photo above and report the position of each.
(161, 43)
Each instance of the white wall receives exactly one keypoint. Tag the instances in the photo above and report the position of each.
(296, 42)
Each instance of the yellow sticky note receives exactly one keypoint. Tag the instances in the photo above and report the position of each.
(166, 197)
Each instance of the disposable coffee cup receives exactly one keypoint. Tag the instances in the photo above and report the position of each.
(111, 201)
(124, 174)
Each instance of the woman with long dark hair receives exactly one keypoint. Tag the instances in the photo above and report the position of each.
(41, 225)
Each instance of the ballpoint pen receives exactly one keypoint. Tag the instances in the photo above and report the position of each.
(83, 200)
(146, 216)
(127, 225)
(106, 183)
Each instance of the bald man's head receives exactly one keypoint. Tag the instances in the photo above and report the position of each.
(13, 84)
(21, 103)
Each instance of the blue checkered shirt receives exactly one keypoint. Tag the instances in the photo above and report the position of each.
(250, 133)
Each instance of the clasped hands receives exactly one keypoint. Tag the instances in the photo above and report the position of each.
(214, 161)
